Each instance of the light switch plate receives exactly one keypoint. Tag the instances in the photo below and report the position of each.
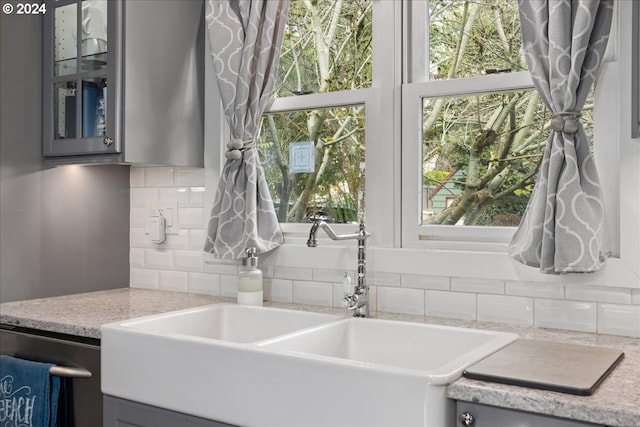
(169, 210)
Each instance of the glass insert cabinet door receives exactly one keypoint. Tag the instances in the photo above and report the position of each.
(80, 67)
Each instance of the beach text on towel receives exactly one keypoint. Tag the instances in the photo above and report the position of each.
(16, 405)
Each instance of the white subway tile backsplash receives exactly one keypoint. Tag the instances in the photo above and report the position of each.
(188, 260)
(196, 197)
(278, 290)
(435, 283)
(181, 264)
(189, 177)
(505, 309)
(203, 283)
(314, 293)
(338, 295)
(535, 289)
(333, 276)
(174, 194)
(619, 320)
(219, 266)
(136, 258)
(176, 241)
(293, 273)
(143, 278)
(598, 294)
(228, 286)
(160, 259)
(380, 278)
(267, 269)
(196, 238)
(373, 298)
(191, 217)
(562, 314)
(173, 281)
(141, 196)
(401, 300)
(138, 238)
(478, 286)
(138, 217)
(136, 177)
(161, 176)
(455, 305)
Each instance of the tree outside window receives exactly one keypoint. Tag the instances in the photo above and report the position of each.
(480, 150)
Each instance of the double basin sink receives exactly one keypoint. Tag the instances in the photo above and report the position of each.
(261, 366)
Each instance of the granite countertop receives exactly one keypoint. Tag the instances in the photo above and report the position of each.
(82, 314)
(615, 403)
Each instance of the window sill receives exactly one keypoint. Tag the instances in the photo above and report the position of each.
(495, 265)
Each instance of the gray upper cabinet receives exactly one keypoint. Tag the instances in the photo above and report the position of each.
(123, 82)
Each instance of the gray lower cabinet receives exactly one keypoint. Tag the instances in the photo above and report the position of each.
(125, 413)
(477, 415)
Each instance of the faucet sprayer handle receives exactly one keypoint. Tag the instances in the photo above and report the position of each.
(348, 302)
(346, 282)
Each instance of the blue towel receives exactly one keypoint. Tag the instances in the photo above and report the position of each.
(28, 394)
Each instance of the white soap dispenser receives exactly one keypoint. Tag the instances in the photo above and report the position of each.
(250, 280)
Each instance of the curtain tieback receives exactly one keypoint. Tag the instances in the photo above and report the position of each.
(236, 146)
(566, 122)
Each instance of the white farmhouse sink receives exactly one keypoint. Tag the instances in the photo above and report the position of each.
(257, 366)
(398, 371)
(229, 322)
(412, 348)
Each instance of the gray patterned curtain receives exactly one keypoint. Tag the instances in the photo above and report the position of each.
(562, 230)
(245, 38)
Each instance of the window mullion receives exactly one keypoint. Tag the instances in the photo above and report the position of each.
(383, 198)
(415, 36)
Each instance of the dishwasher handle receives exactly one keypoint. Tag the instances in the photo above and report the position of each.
(69, 372)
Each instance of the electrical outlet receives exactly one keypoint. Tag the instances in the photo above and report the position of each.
(169, 210)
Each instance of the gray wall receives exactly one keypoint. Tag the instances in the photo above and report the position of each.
(62, 230)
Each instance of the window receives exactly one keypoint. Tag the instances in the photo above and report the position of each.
(328, 49)
(411, 88)
(317, 174)
(324, 72)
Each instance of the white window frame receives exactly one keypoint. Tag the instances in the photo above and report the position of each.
(392, 180)
(381, 102)
(318, 101)
(482, 250)
(414, 234)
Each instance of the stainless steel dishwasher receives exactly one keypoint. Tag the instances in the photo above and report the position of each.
(75, 357)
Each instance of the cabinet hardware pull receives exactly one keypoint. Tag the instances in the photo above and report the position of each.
(68, 372)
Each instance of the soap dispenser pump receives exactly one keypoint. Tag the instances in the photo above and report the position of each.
(250, 280)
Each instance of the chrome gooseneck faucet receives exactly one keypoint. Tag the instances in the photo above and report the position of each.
(358, 300)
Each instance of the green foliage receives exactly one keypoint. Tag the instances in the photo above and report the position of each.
(505, 212)
(337, 133)
(434, 177)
